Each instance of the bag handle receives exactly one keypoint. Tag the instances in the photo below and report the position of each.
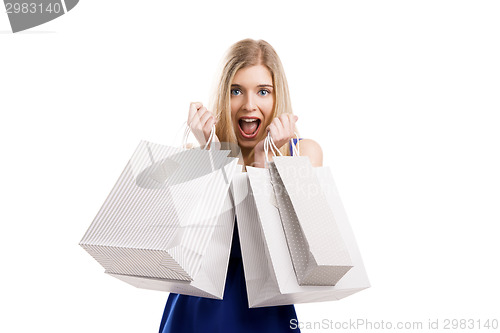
(187, 131)
(295, 146)
(269, 144)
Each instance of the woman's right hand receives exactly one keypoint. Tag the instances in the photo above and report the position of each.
(201, 121)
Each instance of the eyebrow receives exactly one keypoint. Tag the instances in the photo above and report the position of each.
(260, 85)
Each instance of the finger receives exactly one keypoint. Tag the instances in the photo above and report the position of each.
(207, 125)
(197, 104)
(278, 128)
(294, 119)
(207, 128)
(272, 130)
(276, 131)
(198, 122)
(285, 121)
(204, 117)
(193, 109)
(198, 116)
(201, 111)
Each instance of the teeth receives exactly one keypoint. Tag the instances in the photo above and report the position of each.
(249, 120)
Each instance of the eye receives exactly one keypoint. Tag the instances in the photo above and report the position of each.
(264, 92)
(235, 92)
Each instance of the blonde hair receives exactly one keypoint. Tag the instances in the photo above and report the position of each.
(247, 53)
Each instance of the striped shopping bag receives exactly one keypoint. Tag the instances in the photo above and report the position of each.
(168, 220)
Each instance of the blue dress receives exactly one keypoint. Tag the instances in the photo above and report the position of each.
(191, 314)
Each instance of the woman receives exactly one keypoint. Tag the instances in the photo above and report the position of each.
(252, 99)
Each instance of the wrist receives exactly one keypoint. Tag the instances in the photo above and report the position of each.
(260, 157)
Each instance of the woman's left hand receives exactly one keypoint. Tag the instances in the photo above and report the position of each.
(282, 129)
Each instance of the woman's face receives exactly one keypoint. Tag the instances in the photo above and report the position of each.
(252, 103)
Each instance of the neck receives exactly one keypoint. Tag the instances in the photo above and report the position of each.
(248, 155)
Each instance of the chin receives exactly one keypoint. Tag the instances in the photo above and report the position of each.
(247, 143)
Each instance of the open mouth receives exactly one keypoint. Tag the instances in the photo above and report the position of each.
(249, 127)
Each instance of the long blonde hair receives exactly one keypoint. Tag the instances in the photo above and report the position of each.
(247, 53)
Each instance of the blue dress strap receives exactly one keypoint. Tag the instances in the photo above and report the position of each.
(294, 142)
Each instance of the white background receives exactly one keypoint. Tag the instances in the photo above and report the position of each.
(403, 97)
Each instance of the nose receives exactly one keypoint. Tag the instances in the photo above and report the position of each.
(249, 104)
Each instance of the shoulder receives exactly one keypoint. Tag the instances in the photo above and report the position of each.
(311, 148)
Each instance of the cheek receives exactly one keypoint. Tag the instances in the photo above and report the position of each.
(234, 107)
(267, 108)
(234, 110)
(233, 115)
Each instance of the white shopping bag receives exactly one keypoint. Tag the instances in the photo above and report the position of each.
(319, 254)
(269, 272)
(210, 280)
(159, 220)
